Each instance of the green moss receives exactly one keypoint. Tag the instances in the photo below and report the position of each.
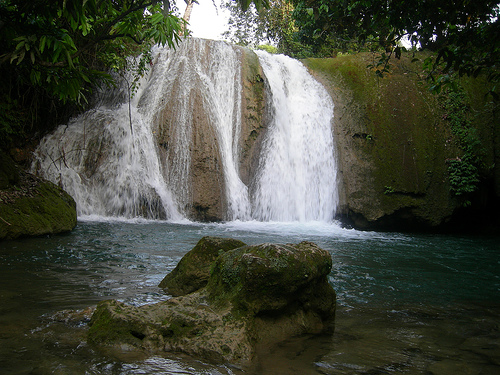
(106, 327)
(42, 209)
(265, 277)
(193, 270)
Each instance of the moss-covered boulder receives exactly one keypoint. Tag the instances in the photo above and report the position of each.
(30, 206)
(273, 278)
(192, 272)
(256, 297)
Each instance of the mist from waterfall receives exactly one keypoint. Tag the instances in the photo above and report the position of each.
(111, 159)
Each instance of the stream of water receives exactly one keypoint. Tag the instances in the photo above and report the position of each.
(412, 304)
(135, 158)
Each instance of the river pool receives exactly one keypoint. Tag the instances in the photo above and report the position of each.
(406, 304)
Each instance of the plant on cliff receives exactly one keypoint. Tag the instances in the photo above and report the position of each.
(466, 169)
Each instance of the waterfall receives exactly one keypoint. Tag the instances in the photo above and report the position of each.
(297, 176)
(207, 75)
(148, 157)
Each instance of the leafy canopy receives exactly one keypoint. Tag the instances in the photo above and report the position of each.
(465, 34)
(65, 47)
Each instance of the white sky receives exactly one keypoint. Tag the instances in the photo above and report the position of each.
(205, 22)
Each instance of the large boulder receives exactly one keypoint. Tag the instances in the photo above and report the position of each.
(192, 272)
(256, 297)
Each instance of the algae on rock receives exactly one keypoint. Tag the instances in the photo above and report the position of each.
(193, 270)
(393, 142)
(30, 206)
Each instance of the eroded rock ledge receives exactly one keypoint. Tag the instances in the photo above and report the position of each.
(255, 296)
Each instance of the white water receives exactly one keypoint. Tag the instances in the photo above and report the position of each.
(210, 72)
(132, 176)
(297, 179)
(129, 183)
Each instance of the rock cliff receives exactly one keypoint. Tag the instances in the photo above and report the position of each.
(394, 141)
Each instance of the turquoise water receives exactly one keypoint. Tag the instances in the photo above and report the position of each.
(413, 304)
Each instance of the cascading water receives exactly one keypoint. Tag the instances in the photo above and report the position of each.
(107, 160)
(137, 160)
(208, 72)
(297, 176)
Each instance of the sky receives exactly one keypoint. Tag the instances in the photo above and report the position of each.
(205, 22)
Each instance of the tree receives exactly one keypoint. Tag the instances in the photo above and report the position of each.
(272, 23)
(464, 34)
(187, 13)
(65, 47)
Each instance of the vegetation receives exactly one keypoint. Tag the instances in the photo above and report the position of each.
(251, 27)
(464, 35)
(465, 170)
(56, 53)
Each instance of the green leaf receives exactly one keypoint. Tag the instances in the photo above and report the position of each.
(156, 18)
(43, 41)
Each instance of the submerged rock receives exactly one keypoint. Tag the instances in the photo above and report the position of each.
(256, 296)
(192, 272)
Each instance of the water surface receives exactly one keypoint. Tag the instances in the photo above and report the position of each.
(408, 304)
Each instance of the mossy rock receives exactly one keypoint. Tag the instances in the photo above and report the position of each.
(256, 297)
(30, 206)
(392, 144)
(271, 278)
(192, 272)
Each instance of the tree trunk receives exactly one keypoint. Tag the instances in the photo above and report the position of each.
(187, 14)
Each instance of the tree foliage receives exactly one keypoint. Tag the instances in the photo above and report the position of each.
(272, 24)
(465, 34)
(63, 46)
(53, 54)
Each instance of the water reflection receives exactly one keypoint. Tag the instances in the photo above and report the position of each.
(406, 304)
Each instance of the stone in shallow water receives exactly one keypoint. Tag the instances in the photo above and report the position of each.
(255, 296)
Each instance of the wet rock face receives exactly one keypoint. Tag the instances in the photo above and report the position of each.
(255, 297)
